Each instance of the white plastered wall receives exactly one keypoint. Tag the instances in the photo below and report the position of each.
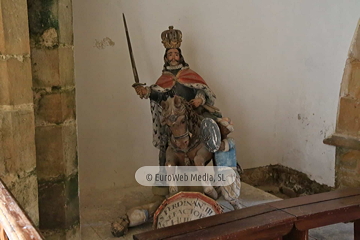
(275, 66)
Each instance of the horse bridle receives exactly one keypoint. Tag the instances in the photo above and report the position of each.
(173, 118)
(187, 134)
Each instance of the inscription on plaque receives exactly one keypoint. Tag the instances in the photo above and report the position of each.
(184, 207)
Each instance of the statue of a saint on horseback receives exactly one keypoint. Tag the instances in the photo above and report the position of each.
(188, 129)
(178, 79)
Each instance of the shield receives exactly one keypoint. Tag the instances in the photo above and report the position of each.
(210, 134)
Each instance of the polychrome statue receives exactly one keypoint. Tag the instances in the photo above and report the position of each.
(183, 114)
(178, 79)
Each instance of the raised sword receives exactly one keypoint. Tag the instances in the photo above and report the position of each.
(136, 76)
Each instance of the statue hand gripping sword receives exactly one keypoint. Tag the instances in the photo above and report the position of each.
(136, 76)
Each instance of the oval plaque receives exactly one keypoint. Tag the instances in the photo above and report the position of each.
(184, 207)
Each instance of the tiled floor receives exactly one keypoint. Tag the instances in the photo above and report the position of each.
(99, 209)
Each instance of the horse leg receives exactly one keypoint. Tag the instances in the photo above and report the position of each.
(199, 161)
(170, 164)
(231, 192)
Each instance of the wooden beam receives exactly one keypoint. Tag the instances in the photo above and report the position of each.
(316, 198)
(3, 235)
(14, 220)
(340, 140)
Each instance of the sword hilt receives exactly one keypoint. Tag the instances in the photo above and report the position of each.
(138, 84)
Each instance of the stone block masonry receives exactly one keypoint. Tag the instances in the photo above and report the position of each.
(17, 128)
(347, 135)
(51, 35)
(347, 167)
(349, 114)
(347, 164)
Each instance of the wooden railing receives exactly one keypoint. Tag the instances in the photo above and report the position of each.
(14, 224)
(3, 235)
(288, 219)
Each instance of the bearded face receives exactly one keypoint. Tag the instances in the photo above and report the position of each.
(173, 57)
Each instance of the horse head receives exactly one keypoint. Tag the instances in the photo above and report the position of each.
(176, 116)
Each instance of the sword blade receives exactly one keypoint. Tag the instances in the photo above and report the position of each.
(136, 76)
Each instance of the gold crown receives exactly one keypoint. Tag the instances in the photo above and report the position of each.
(171, 38)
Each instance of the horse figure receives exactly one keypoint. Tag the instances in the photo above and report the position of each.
(185, 147)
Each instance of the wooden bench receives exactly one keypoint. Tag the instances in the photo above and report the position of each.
(288, 219)
(321, 210)
(257, 222)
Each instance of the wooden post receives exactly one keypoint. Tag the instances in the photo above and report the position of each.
(296, 234)
(357, 229)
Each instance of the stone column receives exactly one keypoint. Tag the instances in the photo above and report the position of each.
(347, 134)
(52, 59)
(17, 131)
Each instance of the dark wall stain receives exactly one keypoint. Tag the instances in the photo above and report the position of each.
(41, 18)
